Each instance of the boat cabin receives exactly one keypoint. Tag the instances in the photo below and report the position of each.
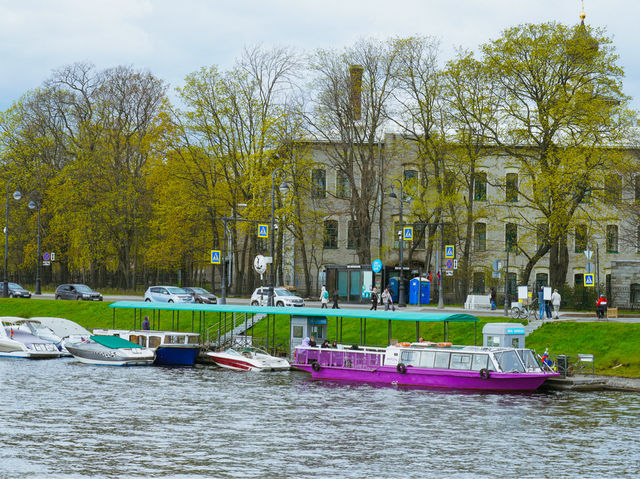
(505, 335)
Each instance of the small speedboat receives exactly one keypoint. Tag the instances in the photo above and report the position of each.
(17, 343)
(172, 348)
(67, 330)
(248, 359)
(110, 351)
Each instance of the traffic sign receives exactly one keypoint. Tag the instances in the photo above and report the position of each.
(46, 263)
(455, 264)
(588, 280)
(46, 256)
(448, 272)
(53, 256)
(450, 251)
(263, 231)
(407, 233)
(259, 264)
(376, 266)
(215, 256)
(588, 254)
(497, 265)
(449, 264)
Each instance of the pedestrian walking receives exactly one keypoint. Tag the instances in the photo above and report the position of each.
(601, 306)
(374, 299)
(541, 303)
(385, 299)
(555, 301)
(336, 297)
(493, 298)
(324, 298)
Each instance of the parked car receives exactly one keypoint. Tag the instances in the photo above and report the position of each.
(281, 297)
(17, 291)
(77, 292)
(167, 294)
(201, 295)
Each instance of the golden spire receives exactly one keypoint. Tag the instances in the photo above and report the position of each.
(582, 14)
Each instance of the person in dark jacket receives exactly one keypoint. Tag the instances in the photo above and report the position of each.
(336, 297)
(145, 323)
(374, 300)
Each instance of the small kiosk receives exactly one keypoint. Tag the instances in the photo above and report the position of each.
(508, 335)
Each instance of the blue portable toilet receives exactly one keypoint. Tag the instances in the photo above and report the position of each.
(419, 291)
(394, 284)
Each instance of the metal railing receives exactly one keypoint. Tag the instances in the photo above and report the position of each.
(366, 358)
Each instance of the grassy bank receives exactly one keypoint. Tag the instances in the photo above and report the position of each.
(615, 345)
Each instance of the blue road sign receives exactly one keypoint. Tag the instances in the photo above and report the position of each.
(588, 280)
(449, 251)
(449, 264)
(263, 231)
(407, 233)
(46, 256)
(215, 256)
(376, 266)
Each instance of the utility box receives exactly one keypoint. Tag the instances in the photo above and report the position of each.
(419, 291)
(305, 327)
(506, 335)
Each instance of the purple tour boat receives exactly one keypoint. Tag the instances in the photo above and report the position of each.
(426, 364)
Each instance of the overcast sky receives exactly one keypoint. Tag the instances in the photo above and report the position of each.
(172, 38)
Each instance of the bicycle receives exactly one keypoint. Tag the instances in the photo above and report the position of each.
(525, 311)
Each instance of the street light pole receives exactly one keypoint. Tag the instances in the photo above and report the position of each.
(16, 196)
(33, 205)
(283, 189)
(401, 296)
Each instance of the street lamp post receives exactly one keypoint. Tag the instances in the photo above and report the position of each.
(283, 189)
(36, 205)
(16, 196)
(401, 296)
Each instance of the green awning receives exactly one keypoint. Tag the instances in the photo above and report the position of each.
(421, 316)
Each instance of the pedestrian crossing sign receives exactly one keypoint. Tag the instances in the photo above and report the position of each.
(450, 251)
(215, 256)
(407, 233)
(588, 280)
(263, 231)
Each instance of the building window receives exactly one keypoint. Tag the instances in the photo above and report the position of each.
(318, 183)
(511, 237)
(578, 279)
(613, 189)
(353, 235)
(480, 187)
(480, 236)
(331, 234)
(635, 293)
(343, 186)
(410, 175)
(478, 282)
(636, 185)
(542, 235)
(612, 238)
(580, 238)
(542, 279)
(512, 188)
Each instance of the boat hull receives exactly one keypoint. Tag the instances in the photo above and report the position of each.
(177, 355)
(434, 378)
(89, 353)
(238, 363)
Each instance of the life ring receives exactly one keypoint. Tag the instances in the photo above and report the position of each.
(401, 368)
(403, 345)
(315, 366)
(444, 345)
(484, 373)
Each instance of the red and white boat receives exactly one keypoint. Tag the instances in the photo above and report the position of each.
(248, 359)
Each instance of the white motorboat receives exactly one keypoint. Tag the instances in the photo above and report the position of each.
(248, 359)
(33, 326)
(67, 330)
(110, 351)
(17, 343)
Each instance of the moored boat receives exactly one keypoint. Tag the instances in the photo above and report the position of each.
(110, 351)
(17, 343)
(425, 364)
(248, 359)
(172, 348)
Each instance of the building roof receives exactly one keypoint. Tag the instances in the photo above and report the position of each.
(293, 311)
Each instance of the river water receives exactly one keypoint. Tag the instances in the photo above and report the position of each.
(61, 418)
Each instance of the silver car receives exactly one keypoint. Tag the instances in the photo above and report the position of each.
(167, 294)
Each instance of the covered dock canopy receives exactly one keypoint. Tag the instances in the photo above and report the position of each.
(266, 311)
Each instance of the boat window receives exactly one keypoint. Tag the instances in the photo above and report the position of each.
(442, 360)
(460, 361)
(410, 358)
(509, 361)
(193, 339)
(174, 339)
(529, 359)
(427, 358)
(297, 331)
(493, 341)
(479, 362)
(141, 340)
(154, 341)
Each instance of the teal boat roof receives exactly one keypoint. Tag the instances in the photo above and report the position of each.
(114, 342)
(421, 316)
